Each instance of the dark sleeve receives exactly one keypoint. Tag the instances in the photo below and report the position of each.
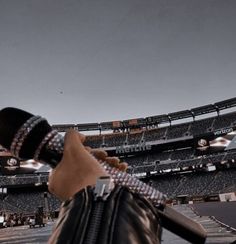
(124, 217)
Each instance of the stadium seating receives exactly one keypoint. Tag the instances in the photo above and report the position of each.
(177, 131)
(195, 180)
(171, 155)
(197, 127)
(28, 202)
(135, 138)
(94, 141)
(155, 134)
(224, 121)
(23, 180)
(196, 184)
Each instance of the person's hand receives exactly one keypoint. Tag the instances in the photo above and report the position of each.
(77, 169)
(102, 156)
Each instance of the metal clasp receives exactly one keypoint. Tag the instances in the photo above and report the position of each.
(103, 187)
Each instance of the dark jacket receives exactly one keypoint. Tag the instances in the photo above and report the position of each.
(123, 218)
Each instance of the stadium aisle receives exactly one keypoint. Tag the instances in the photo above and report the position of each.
(216, 234)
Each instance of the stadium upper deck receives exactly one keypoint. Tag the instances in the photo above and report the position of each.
(152, 120)
(159, 146)
(161, 128)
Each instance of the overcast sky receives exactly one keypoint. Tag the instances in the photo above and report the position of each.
(76, 61)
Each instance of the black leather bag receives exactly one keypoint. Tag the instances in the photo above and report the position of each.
(122, 218)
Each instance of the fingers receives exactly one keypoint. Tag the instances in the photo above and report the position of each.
(102, 156)
(74, 143)
(115, 162)
(123, 166)
(99, 154)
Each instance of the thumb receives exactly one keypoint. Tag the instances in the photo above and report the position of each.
(73, 139)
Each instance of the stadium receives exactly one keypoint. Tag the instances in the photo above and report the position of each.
(150, 82)
(189, 155)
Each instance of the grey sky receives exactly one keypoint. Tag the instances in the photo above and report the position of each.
(97, 60)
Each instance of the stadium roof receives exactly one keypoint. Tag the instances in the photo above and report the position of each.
(180, 115)
(226, 103)
(204, 109)
(151, 120)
